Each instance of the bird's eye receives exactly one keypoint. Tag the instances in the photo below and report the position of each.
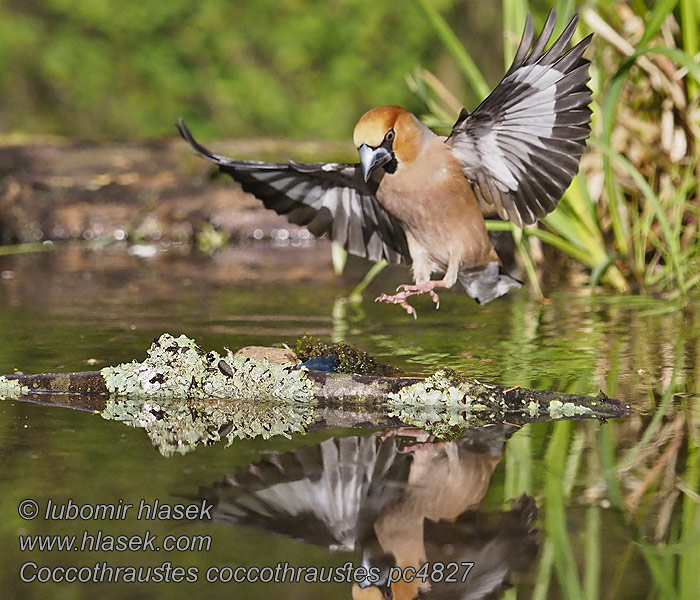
(389, 137)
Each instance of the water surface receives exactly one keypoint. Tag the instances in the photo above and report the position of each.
(611, 509)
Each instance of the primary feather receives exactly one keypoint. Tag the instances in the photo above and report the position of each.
(521, 147)
(328, 198)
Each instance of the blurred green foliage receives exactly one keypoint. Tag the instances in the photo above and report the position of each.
(97, 69)
(638, 231)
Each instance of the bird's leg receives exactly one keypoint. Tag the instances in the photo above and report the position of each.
(413, 432)
(430, 447)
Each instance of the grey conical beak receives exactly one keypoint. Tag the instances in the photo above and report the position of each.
(372, 158)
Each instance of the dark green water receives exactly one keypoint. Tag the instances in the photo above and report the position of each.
(615, 507)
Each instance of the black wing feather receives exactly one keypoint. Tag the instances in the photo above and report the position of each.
(328, 198)
(521, 147)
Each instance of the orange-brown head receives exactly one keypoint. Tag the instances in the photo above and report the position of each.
(385, 136)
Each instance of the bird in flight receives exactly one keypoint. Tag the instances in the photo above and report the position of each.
(420, 199)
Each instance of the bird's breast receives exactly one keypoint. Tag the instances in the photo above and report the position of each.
(434, 202)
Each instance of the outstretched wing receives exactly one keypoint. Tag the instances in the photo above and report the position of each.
(521, 147)
(327, 198)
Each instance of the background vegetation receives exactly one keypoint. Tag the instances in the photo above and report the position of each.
(127, 69)
(631, 215)
(106, 69)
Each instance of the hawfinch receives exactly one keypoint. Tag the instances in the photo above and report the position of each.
(419, 198)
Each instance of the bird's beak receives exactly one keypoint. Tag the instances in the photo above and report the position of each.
(372, 158)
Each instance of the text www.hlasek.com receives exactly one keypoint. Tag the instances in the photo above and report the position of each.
(100, 542)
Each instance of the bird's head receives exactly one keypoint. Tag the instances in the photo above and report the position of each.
(386, 136)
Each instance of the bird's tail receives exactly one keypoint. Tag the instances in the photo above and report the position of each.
(487, 283)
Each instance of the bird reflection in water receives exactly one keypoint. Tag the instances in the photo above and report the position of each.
(398, 503)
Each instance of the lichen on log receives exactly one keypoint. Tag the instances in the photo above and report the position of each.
(174, 425)
(11, 388)
(177, 368)
(184, 397)
(445, 403)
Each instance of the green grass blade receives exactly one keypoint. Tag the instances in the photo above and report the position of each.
(690, 31)
(514, 15)
(578, 198)
(26, 248)
(661, 10)
(367, 279)
(682, 58)
(544, 572)
(660, 573)
(671, 241)
(615, 202)
(555, 511)
(689, 566)
(591, 579)
(339, 257)
(550, 238)
(565, 12)
(606, 444)
(518, 467)
(690, 26)
(464, 60)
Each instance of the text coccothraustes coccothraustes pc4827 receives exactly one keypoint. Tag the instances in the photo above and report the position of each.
(419, 198)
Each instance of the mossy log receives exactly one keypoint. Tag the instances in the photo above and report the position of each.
(364, 395)
(444, 407)
(184, 397)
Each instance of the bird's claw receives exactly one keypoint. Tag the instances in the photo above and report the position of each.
(413, 290)
(399, 299)
(405, 291)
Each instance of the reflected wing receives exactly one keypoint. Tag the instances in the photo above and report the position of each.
(327, 198)
(521, 147)
(329, 494)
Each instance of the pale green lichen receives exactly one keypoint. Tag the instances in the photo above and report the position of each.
(184, 397)
(444, 402)
(178, 368)
(558, 409)
(175, 425)
(11, 388)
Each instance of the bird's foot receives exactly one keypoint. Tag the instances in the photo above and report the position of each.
(403, 292)
(423, 288)
(399, 299)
